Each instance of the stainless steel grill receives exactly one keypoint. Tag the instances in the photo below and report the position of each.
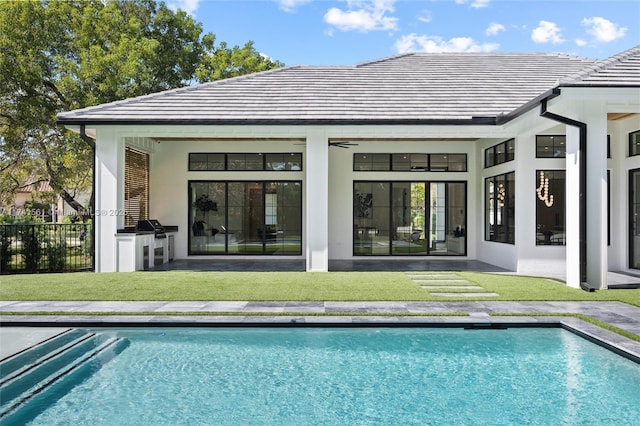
(151, 225)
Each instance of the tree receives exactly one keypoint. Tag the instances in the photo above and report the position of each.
(61, 55)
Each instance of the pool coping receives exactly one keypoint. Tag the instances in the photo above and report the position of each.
(476, 314)
(617, 343)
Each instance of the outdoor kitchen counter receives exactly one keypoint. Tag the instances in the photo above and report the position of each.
(142, 250)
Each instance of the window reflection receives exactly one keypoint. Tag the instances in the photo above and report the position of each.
(409, 218)
(246, 217)
(550, 207)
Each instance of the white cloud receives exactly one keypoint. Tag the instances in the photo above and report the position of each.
(494, 29)
(603, 29)
(477, 4)
(547, 32)
(363, 15)
(425, 16)
(290, 5)
(188, 6)
(581, 42)
(434, 44)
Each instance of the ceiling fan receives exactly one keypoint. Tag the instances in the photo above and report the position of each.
(342, 144)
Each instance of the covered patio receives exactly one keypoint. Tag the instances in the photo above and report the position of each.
(336, 265)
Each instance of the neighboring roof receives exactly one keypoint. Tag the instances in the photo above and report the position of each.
(622, 70)
(410, 88)
(38, 186)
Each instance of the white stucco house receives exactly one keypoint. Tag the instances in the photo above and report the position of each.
(530, 162)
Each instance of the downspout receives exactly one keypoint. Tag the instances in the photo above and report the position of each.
(582, 170)
(92, 144)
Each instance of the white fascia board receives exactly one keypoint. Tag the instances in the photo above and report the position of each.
(616, 99)
(301, 131)
(530, 122)
(89, 131)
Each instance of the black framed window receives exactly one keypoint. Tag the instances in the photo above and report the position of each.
(283, 161)
(608, 207)
(207, 162)
(244, 162)
(500, 153)
(409, 162)
(634, 143)
(210, 162)
(634, 219)
(550, 207)
(245, 217)
(417, 218)
(551, 146)
(500, 196)
(448, 162)
(371, 162)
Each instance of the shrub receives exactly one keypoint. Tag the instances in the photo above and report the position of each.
(5, 248)
(31, 249)
(57, 256)
(56, 250)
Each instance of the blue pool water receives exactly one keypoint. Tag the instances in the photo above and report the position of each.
(350, 376)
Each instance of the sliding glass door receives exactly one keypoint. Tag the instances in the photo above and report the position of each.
(634, 219)
(245, 217)
(409, 218)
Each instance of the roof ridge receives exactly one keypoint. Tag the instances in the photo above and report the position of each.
(600, 65)
(176, 90)
(488, 54)
(385, 59)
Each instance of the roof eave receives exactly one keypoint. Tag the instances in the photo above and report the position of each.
(533, 103)
(279, 122)
(602, 85)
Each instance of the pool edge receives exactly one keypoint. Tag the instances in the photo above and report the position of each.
(614, 342)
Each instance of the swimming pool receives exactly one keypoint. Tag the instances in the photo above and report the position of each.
(336, 376)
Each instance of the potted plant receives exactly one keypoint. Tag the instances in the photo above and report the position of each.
(204, 204)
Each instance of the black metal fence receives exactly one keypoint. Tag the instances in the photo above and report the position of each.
(45, 247)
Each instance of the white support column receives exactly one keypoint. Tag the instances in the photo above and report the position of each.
(572, 206)
(317, 205)
(595, 116)
(108, 198)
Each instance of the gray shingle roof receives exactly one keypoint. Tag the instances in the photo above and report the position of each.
(622, 69)
(410, 88)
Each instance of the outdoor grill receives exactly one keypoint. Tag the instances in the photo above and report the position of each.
(151, 225)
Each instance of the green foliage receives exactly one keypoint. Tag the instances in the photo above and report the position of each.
(5, 248)
(60, 55)
(26, 217)
(225, 62)
(56, 251)
(85, 240)
(31, 238)
(205, 204)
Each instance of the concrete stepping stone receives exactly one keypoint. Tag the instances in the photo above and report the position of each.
(464, 294)
(452, 287)
(452, 276)
(441, 281)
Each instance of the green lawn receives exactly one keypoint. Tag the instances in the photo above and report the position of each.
(281, 286)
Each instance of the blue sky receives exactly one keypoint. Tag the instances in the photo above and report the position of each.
(323, 32)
